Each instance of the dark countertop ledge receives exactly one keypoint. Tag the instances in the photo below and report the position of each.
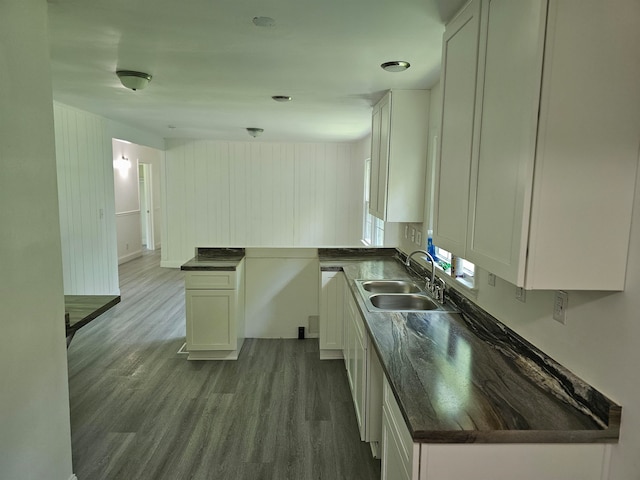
(467, 378)
(83, 309)
(215, 259)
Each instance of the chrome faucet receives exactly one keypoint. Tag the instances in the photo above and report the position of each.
(430, 281)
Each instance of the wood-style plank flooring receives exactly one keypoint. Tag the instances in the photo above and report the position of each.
(140, 410)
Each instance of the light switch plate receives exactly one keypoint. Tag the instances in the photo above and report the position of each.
(521, 294)
(491, 280)
(419, 238)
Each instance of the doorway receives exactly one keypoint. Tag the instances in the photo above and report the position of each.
(145, 173)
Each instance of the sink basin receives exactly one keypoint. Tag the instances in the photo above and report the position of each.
(390, 286)
(403, 302)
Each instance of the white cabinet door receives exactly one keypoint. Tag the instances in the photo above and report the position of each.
(360, 380)
(399, 156)
(453, 168)
(211, 319)
(379, 157)
(400, 456)
(332, 292)
(350, 335)
(393, 467)
(503, 172)
(553, 159)
(374, 381)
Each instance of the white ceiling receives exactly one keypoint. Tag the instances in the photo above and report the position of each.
(214, 71)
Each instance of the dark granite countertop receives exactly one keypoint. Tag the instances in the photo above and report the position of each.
(215, 259)
(465, 377)
(82, 309)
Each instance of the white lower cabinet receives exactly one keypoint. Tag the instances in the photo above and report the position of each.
(214, 304)
(402, 459)
(332, 294)
(400, 456)
(507, 462)
(365, 375)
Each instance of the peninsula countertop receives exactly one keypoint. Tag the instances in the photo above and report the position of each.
(215, 259)
(466, 377)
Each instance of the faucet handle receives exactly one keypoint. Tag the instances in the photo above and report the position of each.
(427, 284)
(439, 289)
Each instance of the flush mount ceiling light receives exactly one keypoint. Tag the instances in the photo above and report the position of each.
(281, 98)
(395, 66)
(264, 22)
(255, 132)
(133, 80)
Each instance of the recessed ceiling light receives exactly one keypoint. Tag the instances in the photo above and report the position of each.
(395, 66)
(254, 131)
(281, 98)
(264, 22)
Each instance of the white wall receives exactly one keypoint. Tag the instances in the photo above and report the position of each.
(127, 197)
(86, 196)
(35, 438)
(259, 194)
(85, 186)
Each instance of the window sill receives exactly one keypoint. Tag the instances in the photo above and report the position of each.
(466, 286)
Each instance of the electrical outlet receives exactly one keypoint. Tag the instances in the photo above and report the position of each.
(413, 235)
(521, 294)
(491, 280)
(419, 238)
(560, 306)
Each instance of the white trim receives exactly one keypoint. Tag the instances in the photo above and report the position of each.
(331, 354)
(73, 477)
(171, 264)
(128, 213)
(129, 256)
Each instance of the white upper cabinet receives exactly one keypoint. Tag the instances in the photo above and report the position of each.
(554, 145)
(458, 81)
(399, 137)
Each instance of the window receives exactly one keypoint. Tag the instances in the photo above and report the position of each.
(372, 227)
(444, 260)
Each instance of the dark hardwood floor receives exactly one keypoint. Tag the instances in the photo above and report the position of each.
(140, 410)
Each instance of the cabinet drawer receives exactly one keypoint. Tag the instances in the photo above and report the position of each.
(218, 280)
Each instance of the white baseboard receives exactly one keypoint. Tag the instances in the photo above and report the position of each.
(171, 264)
(129, 256)
(331, 354)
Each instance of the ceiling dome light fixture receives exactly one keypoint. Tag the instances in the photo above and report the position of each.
(133, 80)
(282, 98)
(395, 66)
(255, 132)
(264, 22)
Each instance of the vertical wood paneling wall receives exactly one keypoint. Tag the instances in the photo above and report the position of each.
(260, 195)
(86, 201)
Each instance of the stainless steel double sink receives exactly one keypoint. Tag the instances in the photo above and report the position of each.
(396, 296)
